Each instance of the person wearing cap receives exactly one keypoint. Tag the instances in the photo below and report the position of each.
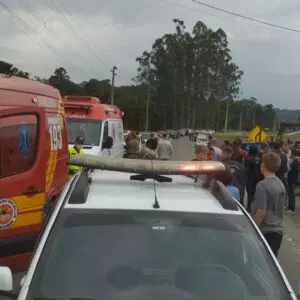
(75, 150)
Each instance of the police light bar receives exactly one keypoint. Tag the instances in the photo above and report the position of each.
(78, 106)
(141, 166)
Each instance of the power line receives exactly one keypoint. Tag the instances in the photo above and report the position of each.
(30, 32)
(245, 17)
(190, 8)
(40, 19)
(86, 37)
(73, 29)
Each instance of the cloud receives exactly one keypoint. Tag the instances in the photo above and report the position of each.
(89, 37)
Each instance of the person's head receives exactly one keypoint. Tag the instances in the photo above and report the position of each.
(165, 136)
(226, 152)
(152, 135)
(270, 163)
(237, 144)
(294, 152)
(226, 143)
(137, 133)
(264, 148)
(133, 135)
(213, 142)
(225, 176)
(277, 147)
(79, 142)
(201, 152)
(253, 150)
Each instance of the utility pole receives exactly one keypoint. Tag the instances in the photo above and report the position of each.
(240, 125)
(226, 116)
(147, 108)
(112, 99)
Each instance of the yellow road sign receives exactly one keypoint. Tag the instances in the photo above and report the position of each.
(257, 134)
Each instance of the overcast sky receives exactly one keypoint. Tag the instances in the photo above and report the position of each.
(88, 37)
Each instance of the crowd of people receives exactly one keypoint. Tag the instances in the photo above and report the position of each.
(270, 177)
(156, 147)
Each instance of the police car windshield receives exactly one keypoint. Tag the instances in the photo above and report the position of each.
(89, 129)
(135, 255)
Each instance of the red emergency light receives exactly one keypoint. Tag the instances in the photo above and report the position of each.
(198, 168)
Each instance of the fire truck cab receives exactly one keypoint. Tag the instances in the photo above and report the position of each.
(33, 163)
(88, 117)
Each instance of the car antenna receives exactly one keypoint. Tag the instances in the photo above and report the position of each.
(155, 204)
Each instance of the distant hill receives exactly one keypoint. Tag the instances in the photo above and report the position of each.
(289, 116)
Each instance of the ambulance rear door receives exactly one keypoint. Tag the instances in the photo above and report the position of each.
(116, 131)
(23, 161)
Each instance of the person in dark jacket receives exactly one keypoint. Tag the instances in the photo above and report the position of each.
(239, 172)
(152, 143)
(283, 170)
(292, 179)
(239, 154)
(254, 175)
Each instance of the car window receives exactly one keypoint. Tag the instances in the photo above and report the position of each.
(89, 129)
(18, 143)
(138, 255)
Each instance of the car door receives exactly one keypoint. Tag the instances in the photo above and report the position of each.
(22, 165)
(105, 152)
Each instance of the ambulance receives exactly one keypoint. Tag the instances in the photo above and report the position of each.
(33, 163)
(88, 117)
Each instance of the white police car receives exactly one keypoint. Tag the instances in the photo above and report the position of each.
(142, 230)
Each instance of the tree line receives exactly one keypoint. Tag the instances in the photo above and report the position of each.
(186, 80)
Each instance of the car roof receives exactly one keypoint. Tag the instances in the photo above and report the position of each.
(115, 190)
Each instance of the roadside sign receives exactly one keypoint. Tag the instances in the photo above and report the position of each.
(257, 134)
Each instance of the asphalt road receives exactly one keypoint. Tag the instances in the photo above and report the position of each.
(289, 256)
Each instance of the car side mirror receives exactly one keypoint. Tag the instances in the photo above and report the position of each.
(107, 142)
(6, 283)
(6, 279)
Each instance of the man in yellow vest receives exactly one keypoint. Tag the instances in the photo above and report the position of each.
(76, 149)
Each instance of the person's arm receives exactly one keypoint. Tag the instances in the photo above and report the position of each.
(243, 175)
(284, 162)
(259, 204)
(148, 143)
(171, 149)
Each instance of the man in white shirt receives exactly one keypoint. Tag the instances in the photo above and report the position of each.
(164, 148)
(217, 151)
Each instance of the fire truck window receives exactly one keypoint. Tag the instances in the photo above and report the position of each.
(18, 143)
(105, 132)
